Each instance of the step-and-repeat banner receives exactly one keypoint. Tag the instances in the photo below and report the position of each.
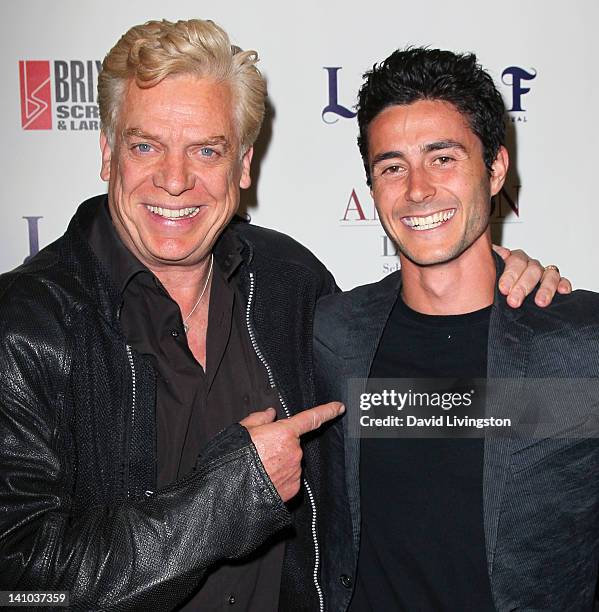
(308, 176)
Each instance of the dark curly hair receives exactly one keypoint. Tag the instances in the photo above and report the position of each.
(418, 73)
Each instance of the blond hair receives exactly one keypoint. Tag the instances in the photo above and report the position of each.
(151, 52)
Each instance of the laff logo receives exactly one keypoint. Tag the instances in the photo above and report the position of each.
(333, 106)
(517, 75)
(512, 76)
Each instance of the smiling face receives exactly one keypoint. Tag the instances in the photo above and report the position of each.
(174, 170)
(429, 182)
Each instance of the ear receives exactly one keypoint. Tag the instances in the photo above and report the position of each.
(106, 157)
(246, 161)
(499, 170)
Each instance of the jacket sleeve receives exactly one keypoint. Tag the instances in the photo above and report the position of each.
(328, 379)
(134, 554)
(328, 284)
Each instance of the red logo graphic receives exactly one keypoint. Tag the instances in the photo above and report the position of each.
(36, 111)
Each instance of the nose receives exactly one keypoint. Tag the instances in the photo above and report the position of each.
(419, 186)
(174, 174)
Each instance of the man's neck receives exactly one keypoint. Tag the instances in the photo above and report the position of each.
(465, 284)
(183, 283)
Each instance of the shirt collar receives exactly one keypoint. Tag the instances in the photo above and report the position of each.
(122, 265)
(228, 251)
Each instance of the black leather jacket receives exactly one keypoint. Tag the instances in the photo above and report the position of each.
(78, 505)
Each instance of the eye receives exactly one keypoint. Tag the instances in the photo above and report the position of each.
(443, 160)
(143, 147)
(395, 169)
(207, 152)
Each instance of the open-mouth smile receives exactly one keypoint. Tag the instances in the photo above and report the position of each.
(430, 221)
(174, 213)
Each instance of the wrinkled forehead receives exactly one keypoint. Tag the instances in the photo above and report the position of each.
(180, 105)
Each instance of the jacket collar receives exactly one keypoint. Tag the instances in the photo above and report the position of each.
(116, 258)
(365, 321)
(378, 300)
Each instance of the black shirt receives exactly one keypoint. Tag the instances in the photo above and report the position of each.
(192, 406)
(422, 540)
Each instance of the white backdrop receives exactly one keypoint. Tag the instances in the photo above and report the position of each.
(308, 164)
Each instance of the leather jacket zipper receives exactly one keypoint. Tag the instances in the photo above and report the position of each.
(133, 406)
(271, 381)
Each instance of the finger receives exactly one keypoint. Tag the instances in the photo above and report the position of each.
(313, 418)
(503, 252)
(515, 297)
(564, 286)
(526, 283)
(546, 291)
(515, 266)
(506, 281)
(255, 419)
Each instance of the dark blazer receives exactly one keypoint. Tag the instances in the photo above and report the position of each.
(541, 496)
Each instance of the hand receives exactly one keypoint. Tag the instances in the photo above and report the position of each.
(278, 442)
(521, 275)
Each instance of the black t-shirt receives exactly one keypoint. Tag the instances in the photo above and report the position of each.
(422, 544)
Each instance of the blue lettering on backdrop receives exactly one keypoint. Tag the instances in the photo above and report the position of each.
(32, 229)
(518, 75)
(333, 106)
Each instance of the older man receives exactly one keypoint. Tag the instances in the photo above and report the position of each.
(495, 522)
(137, 339)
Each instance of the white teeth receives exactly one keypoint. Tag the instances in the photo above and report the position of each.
(175, 213)
(427, 226)
(429, 222)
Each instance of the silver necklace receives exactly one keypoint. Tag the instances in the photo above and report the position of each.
(185, 326)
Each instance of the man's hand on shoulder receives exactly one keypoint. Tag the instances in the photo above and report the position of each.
(278, 442)
(522, 274)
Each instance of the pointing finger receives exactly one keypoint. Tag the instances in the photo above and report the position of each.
(313, 418)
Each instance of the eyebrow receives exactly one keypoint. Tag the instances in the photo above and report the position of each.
(443, 144)
(212, 140)
(139, 133)
(439, 145)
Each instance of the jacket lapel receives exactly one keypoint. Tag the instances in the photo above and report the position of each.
(507, 358)
(370, 315)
